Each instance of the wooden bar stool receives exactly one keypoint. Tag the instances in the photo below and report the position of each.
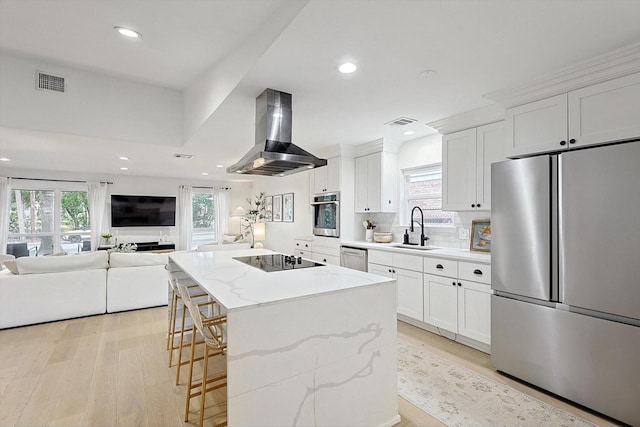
(171, 333)
(212, 329)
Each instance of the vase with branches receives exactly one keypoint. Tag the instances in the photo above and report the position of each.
(255, 213)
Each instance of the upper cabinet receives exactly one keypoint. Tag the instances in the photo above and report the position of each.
(604, 112)
(466, 166)
(326, 178)
(376, 183)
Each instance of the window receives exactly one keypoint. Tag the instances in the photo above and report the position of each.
(423, 188)
(203, 218)
(46, 221)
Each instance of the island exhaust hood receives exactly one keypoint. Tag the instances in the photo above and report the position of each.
(274, 154)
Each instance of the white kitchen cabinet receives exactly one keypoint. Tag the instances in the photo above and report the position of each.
(474, 311)
(441, 302)
(376, 183)
(326, 178)
(407, 270)
(326, 250)
(605, 112)
(466, 167)
(455, 304)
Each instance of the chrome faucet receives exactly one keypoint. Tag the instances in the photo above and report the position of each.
(423, 238)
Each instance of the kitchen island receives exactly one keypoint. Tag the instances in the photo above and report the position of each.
(310, 346)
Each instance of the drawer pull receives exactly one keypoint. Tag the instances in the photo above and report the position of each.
(439, 267)
(453, 283)
(478, 272)
(459, 284)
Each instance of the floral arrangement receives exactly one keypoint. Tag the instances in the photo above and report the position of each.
(255, 213)
(106, 237)
(125, 248)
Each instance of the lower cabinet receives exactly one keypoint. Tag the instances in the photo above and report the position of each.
(409, 286)
(454, 296)
(458, 306)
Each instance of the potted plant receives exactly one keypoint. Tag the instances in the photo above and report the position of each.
(255, 213)
(107, 238)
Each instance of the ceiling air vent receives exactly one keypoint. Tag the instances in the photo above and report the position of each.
(402, 121)
(46, 81)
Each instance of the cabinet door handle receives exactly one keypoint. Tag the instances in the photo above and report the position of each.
(473, 205)
(439, 267)
(297, 244)
(394, 271)
(324, 260)
(306, 246)
(478, 272)
(389, 270)
(478, 205)
(453, 283)
(563, 142)
(572, 141)
(459, 284)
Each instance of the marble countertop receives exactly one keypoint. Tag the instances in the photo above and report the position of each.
(237, 285)
(436, 252)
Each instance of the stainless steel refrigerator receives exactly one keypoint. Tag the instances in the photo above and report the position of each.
(565, 314)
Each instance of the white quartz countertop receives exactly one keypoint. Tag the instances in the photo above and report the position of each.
(436, 252)
(237, 285)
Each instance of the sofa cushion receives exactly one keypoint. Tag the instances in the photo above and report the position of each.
(11, 265)
(123, 259)
(37, 265)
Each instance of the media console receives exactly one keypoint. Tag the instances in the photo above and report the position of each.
(147, 246)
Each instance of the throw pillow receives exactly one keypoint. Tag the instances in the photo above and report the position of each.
(11, 265)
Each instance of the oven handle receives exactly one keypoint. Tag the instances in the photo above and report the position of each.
(332, 202)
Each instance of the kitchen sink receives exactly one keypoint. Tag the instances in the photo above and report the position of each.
(414, 247)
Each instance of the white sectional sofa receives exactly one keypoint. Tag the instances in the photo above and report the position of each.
(136, 280)
(53, 288)
(63, 287)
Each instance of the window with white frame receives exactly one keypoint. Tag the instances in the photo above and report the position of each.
(45, 220)
(203, 217)
(423, 188)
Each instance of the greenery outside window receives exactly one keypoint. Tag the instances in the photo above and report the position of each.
(49, 220)
(423, 188)
(203, 218)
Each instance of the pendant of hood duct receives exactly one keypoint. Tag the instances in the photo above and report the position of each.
(273, 153)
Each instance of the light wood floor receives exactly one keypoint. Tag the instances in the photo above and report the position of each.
(111, 370)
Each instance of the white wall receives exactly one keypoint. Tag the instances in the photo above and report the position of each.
(140, 185)
(280, 235)
(94, 104)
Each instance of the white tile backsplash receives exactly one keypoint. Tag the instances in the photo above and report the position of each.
(438, 236)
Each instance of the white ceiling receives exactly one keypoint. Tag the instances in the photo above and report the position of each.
(476, 47)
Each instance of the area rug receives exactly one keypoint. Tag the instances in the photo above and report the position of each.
(459, 397)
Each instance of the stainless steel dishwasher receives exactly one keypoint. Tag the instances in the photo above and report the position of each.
(355, 258)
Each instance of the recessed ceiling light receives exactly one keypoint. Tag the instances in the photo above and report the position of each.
(205, 173)
(124, 158)
(408, 132)
(4, 159)
(219, 166)
(128, 32)
(347, 68)
(124, 169)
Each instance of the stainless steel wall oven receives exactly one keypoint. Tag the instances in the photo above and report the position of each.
(326, 214)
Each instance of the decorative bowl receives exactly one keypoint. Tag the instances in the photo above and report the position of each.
(382, 237)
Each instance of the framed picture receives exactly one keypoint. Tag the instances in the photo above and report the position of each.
(287, 206)
(268, 209)
(481, 235)
(277, 208)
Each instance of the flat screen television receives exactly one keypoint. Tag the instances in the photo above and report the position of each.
(142, 211)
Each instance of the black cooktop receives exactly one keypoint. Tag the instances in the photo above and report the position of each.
(277, 262)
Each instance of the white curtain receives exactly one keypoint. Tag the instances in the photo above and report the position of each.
(221, 199)
(97, 211)
(5, 197)
(185, 214)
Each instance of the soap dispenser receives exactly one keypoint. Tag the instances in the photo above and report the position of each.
(406, 237)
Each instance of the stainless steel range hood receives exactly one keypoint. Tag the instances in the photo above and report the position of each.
(274, 154)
